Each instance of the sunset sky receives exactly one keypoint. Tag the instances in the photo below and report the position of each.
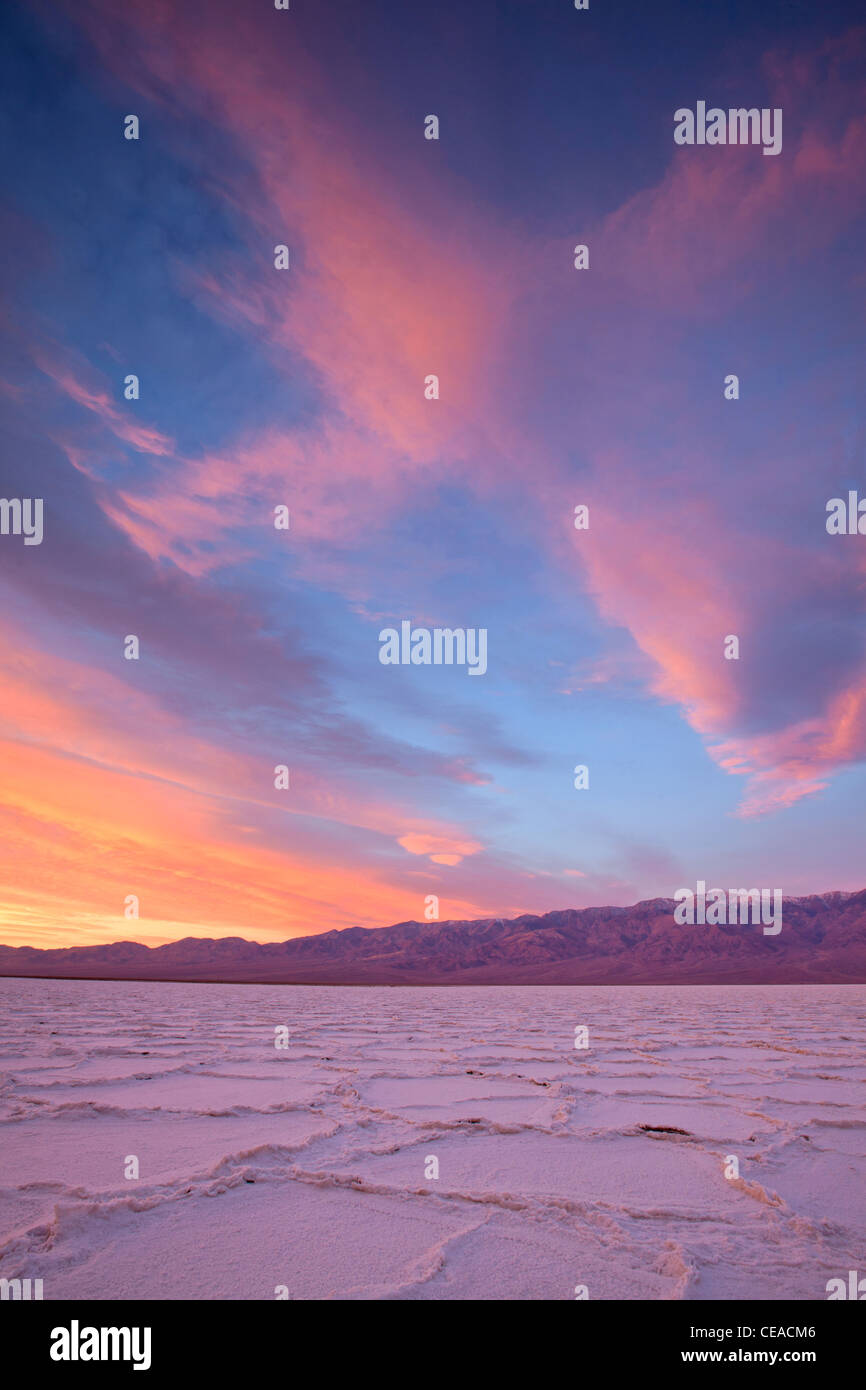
(305, 387)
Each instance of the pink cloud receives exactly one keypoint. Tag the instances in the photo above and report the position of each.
(440, 849)
(93, 396)
(377, 299)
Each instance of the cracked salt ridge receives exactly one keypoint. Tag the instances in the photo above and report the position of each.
(546, 1179)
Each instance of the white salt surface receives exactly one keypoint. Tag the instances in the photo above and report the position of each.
(306, 1167)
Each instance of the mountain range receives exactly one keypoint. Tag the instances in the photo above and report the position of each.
(823, 940)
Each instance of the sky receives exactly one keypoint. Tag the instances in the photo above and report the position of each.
(304, 388)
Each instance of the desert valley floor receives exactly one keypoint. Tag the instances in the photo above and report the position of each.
(306, 1171)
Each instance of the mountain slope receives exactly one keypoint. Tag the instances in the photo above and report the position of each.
(823, 940)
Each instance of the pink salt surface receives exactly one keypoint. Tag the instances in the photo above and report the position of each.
(307, 1167)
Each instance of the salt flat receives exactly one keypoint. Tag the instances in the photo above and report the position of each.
(309, 1168)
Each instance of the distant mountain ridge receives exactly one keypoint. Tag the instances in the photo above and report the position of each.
(823, 940)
